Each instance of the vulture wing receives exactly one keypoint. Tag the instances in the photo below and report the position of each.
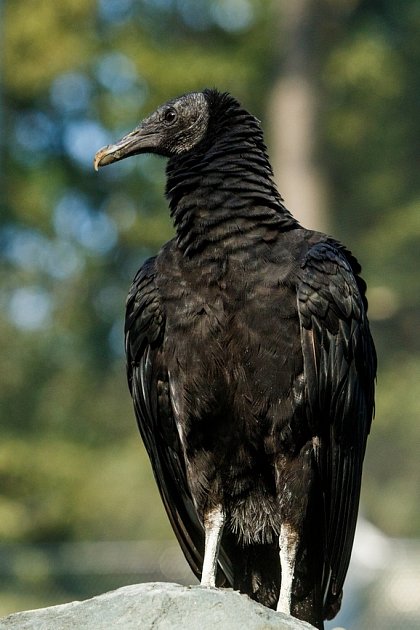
(149, 386)
(340, 367)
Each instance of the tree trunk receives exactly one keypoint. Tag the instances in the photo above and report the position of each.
(292, 109)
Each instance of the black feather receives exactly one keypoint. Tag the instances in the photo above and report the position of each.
(252, 369)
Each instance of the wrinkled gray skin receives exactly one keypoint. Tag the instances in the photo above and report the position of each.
(150, 136)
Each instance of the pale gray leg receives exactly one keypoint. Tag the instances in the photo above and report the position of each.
(214, 521)
(288, 543)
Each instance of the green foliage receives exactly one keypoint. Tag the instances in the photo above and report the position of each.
(371, 140)
(77, 74)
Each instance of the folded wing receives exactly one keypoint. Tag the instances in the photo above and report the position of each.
(149, 386)
(340, 367)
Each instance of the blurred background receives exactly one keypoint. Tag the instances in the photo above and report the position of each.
(336, 85)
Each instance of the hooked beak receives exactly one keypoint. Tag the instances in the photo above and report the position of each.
(137, 141)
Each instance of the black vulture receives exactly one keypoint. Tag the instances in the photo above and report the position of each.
(251, 366)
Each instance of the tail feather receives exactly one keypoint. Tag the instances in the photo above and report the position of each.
(257, 573)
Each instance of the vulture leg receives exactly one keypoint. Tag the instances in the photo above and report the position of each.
(214, 521)
(288, 543)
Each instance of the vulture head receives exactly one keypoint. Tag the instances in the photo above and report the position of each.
(173, 129)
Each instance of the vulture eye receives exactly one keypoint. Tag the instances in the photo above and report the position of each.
(170, 115)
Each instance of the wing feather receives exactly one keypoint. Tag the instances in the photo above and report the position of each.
(149, 385)
(340, 368)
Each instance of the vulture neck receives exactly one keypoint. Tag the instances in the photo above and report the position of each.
(222, 195)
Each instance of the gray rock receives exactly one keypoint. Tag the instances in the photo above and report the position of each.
(160, 606)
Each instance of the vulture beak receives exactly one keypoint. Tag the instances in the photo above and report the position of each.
(137, 141)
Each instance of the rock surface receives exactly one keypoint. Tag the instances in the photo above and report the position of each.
(159, 606)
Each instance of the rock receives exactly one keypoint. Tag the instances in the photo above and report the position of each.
(157, 605)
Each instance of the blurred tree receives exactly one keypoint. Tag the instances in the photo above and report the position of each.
(77, 74)
(71, 240)
(371, 138)
(294, 112)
